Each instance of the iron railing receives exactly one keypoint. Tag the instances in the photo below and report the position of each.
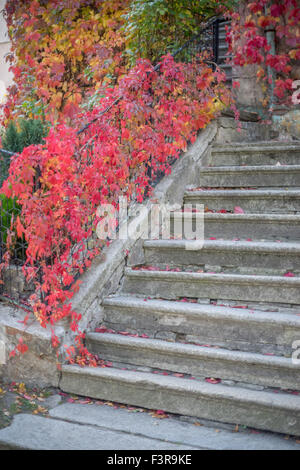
(13, 287)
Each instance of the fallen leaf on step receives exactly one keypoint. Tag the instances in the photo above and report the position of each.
(101, 330)
(160, 414)
(27, 397)
(238, 210)
(212, 380)
(289, 275)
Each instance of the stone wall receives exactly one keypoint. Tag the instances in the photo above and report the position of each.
(286, 121)
(38, 366)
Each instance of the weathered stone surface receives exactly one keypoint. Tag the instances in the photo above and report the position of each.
(264, 410)
(172, 285)
(232, 328)
(288, 123)
(261, 201)
(245, 226)
(39, 433)
(198, 361)
(13, 280)
(170, 429)
(264, 153)
(38, 366)
(278, 256)
(247, 116)
(249, 176)
(75, 426)
(250, 131)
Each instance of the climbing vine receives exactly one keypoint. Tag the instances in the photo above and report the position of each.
(60, 184)
(62, 51)
(248, 41)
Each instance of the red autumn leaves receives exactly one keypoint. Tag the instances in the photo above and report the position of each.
(158, 115)
(249, 45)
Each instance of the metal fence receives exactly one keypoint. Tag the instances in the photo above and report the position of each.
(13, 286)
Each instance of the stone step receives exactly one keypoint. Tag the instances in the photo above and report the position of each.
(165, 432)
(173, 285)
(256, 144)
(74, 429)
(280, 257)
(251, 368)
(228, 70)
(240, 329)
(222, 28)
(245, 115)
(262, 153)
(75, 426)
(226, 66)
(223, 24)
(259, 409)
(243, 226)
(248, 176)
(223, 46)
(223, 58)
(252, 201)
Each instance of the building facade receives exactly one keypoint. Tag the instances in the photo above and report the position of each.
(5, 76)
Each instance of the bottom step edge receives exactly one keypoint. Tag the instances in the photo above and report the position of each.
(261, 410)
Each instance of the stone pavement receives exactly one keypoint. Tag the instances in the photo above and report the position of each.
(91, 426)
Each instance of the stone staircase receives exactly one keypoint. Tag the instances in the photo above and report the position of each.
(209, 333)
(223, 50)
